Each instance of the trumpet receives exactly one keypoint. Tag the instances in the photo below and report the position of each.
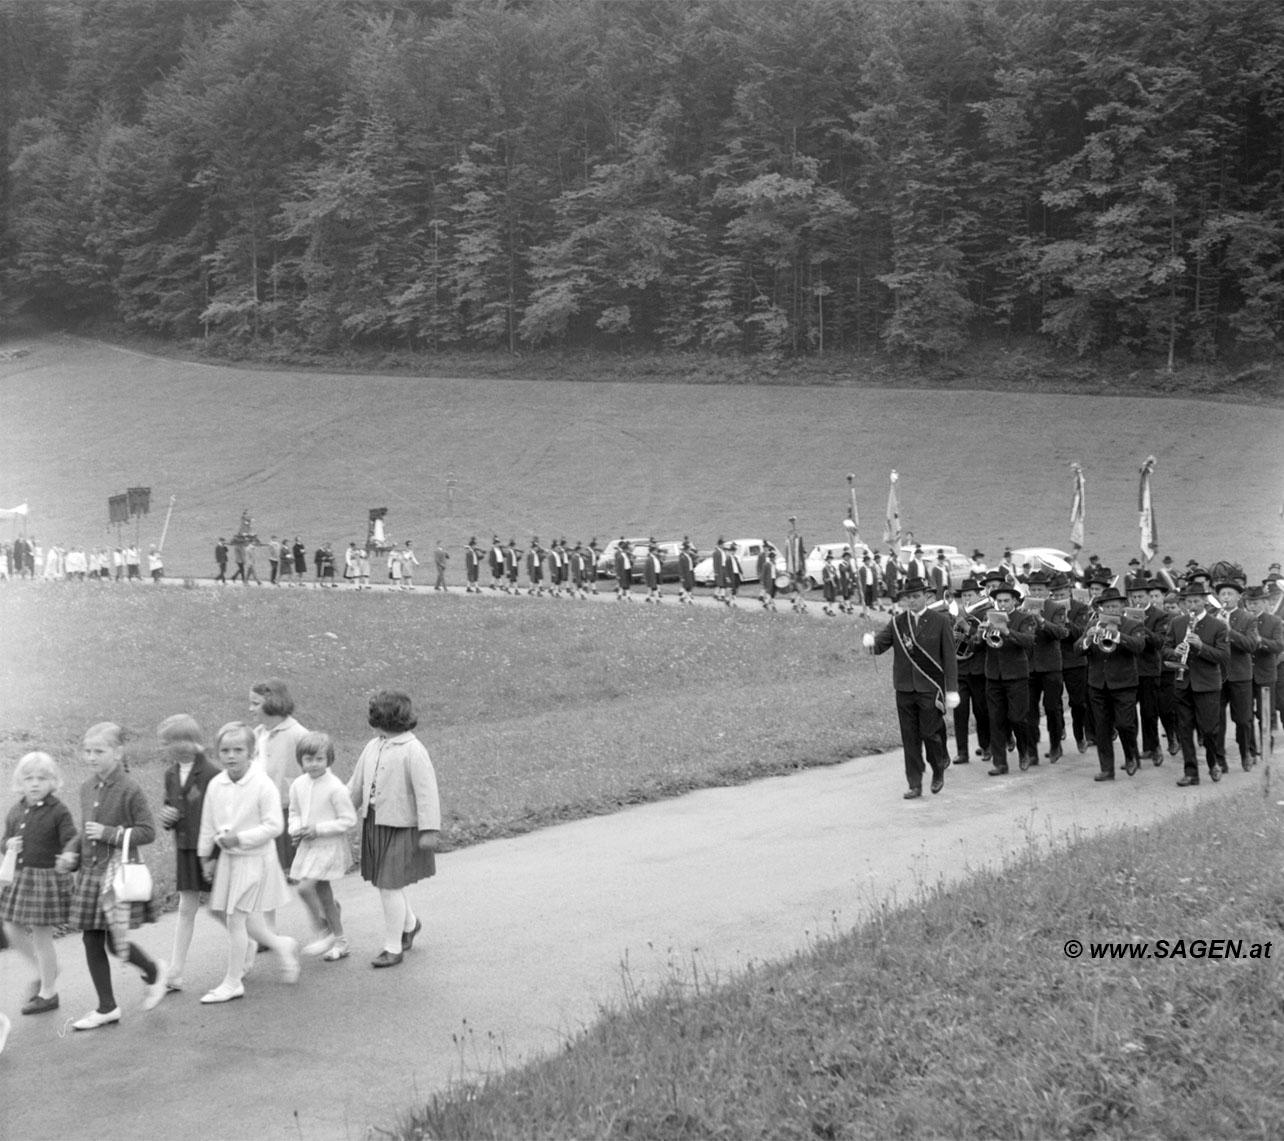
(1104, 635)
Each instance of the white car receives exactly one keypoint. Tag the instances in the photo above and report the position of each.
(1050, 557)
(960, 565)
(814, 565)
(747, 551)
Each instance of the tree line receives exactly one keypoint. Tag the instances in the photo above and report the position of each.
(781, 176)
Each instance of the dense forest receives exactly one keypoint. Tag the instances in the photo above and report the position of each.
(768, 176)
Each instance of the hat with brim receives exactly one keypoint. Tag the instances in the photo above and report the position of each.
(1110, 595)
(1194, 590)
(1237, 586)
(1255, 594)
(970, 584)
(1058, 581)
(913, 585)
(995, 576)
(1037, 578)
(1005, 588)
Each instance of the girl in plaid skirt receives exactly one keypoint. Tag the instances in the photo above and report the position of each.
(38, 829)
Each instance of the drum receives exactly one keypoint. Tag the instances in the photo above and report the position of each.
(783, 581)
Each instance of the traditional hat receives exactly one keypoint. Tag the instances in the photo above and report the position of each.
(970, 584)
(1168, 560)
(913, 585)
(1255, 594)
(1006, 588)
(1196, 571)
(1057, 581)
(978, 554)
(1193, 590)
(1239, 586)
(1134, 562)
(1111, 594)
(472, 539)
(995, 575)
(1037, 578)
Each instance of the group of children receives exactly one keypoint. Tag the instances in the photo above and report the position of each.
(241, 827)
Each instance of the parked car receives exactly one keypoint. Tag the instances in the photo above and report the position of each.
(814, 564)
(747, 550)
(960, 564)
(1050, 557)
(670, 549)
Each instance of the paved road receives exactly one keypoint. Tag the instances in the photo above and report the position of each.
(524, 939)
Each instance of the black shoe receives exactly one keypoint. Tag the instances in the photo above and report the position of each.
(1222, 766)
(1216, 774)
(1024, 762)
(982, 752)
(1131, 766)
(1246, 763)
(1089, 743)
(962, 759)
(1081, 744)
(1104, 776)
(1055, 754)
(37, 1005)
(384, 959)
(1157, 757)
(998, 771)
(1173, 746)
(1187, 781)
(408, 937)
(912, 794)
(938, 781)
(1011, 742)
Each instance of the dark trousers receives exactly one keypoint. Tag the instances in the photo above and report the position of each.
(922, 727)
(867, 595)
(222, 573)
(275, 565)
(1114, 711)
(240, 572)
(972, 703)
(1075, 680)
(1008, 702)
(1199, 713)
(1148, 706)
(1237, 697)
(1046, 684)
(1168, 703)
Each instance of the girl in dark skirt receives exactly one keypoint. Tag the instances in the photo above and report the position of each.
(394, 790)
(110, 803)
(189, 772)
(39, 828)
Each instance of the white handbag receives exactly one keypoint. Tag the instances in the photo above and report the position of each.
(132, 883)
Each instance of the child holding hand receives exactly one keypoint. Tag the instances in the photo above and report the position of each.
(321, 816)
(242, 817)
(38, 829)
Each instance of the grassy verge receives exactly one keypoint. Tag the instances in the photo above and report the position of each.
(534, 711)
(957, 1016)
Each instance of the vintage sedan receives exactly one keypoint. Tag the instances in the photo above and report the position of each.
(747, 551)
(1045, 558)
(814, 564)
(670, 549)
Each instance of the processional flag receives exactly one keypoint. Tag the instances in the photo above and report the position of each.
(852, 523)
(1078, 503)
(892, 528)
(1149, 525)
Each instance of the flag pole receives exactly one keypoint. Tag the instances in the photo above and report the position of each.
(160, 547)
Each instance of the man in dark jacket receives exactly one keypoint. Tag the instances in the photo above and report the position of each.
(1111, 646)
(1007, 676)
(1199, 644)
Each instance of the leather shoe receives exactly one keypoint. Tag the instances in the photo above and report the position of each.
(1216, 774)
(961, 759)
(938, 781)
(1157, 757)
(909, 794)
(95, 1019)
(1024, 761)
(223, 993)
(1104, 776)
(998, 771)
(1081, 744)
(389, 959)
(37, 1005)
(408, 937)
(1131, 766)
(1055, 754)
(1186, 782)
(1173, 746)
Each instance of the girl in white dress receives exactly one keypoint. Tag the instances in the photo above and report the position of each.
(240, 819)
(321, 816)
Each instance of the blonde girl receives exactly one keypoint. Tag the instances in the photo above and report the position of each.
(321, 816)
(187, 776)
(240, 820)
(110, 803)
(38, 829)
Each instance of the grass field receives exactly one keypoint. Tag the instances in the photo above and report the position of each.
(308, 454)
(534, 711)
(957, 1016)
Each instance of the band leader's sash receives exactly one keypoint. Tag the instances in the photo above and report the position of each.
(918, 657)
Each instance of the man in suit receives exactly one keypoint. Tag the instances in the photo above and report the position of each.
(1199, 644)
(472, 566)
(892, 576)
(1158, 597)
(623, 572)
(970, 652)
(1149, 665)
(1237, 690)
(1074, 666)
(1111, 646)
(917, 565)
(495, 560)
(220, 558)
(1046, 683)
(1270, 645)
(686, 571)
(940, 576)
(1007, 679)
(868, 575)
(652, 570)
(720, 560)
(925, 677)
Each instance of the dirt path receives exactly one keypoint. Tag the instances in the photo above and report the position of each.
(524, 939)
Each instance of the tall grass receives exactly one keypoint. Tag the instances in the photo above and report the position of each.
(958, 1015)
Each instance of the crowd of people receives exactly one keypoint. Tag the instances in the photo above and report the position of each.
(263, 815)
(28, 558)
(1188, 656)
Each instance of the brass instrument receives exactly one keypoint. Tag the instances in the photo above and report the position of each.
(994, 627)
(1103, 633)
(965, 628)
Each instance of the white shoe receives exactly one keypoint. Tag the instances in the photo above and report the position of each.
(224, 993)
(156, 990)
(4, 1030)
(290, 961)
(320, 946)
(338, 951)
(93, 1020)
